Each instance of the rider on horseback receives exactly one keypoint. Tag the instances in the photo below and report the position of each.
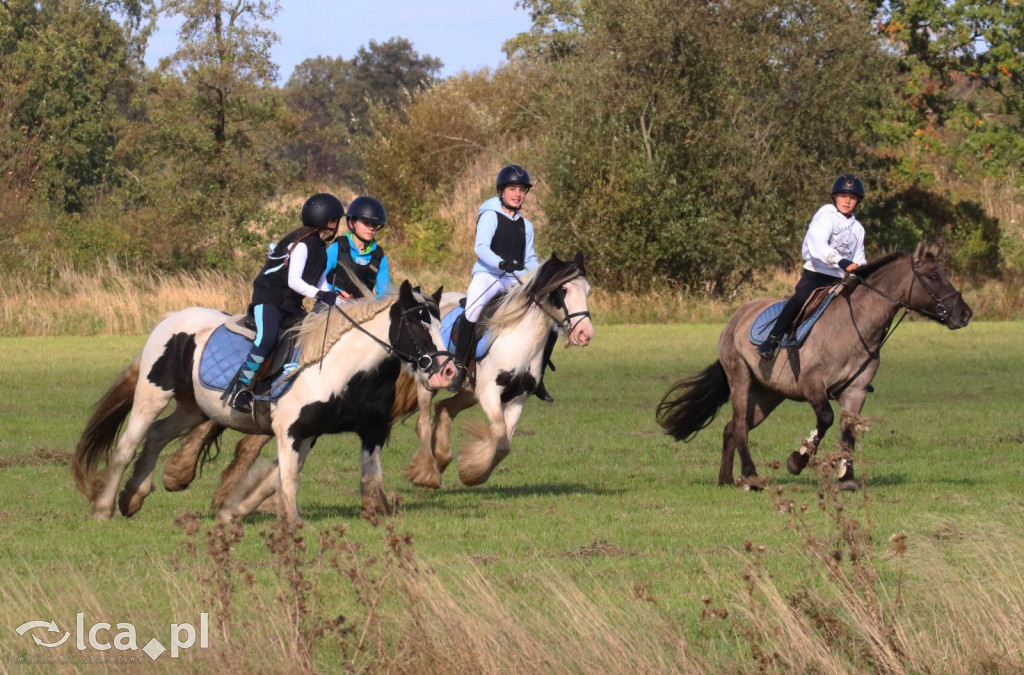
(834, 244)
(359, 253)
(504, 246)
(294, 270)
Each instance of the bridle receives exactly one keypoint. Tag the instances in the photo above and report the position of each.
(429, 362)
(565, 323)
(940, 312)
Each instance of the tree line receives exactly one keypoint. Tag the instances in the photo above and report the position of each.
(676, 142)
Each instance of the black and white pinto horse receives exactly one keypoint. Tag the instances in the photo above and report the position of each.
(334, 389)
(552, 296)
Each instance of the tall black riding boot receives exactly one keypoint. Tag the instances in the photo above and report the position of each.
(465, 345)
(541, 391)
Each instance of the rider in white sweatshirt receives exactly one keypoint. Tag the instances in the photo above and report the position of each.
(833, 245)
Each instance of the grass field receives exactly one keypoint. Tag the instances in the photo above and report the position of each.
(598, 545)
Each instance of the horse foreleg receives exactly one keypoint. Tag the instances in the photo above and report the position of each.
(371, 486)
(291, 455)
(180, 468)
(850, 423)
(246, 453)
(444, 413)
(478, 457)
(422, 469)
(798, 459)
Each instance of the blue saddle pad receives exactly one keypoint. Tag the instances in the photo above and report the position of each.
(766, 320)
(223, 355)
(447, 326)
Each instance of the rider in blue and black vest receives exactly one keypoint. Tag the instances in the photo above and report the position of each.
(294, 270)
(504, 246)
(359, 253)
(833, 246)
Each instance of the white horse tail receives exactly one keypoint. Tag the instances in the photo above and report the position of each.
(100, 433)
(405, 397)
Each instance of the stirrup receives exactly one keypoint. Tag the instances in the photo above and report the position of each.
(242, 400)
(768, 349)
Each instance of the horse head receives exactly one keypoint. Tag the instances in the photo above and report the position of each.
(934, 294)
(415, 336)
(562, 289)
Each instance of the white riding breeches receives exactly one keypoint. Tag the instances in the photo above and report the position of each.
(482, 288)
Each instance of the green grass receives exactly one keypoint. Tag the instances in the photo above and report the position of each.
(592, 493)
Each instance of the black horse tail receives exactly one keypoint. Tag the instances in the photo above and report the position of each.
(691, 404)
(101, 432)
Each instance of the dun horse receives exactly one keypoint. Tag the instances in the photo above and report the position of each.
(334, 389)
(838, 359)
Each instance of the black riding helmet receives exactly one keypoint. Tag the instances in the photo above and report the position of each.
(849, 184)
(513, 174)
(321, 209)
(369, 209)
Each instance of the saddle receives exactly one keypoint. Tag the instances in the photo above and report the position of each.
(228, 346)
(809, 314)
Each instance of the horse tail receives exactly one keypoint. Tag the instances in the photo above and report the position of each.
(101, 432)
(406, 402)
(691, 404)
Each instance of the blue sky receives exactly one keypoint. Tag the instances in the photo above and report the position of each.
(464, 34)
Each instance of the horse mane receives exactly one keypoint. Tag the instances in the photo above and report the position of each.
(873, 266)
(547, 277)
(310, 333)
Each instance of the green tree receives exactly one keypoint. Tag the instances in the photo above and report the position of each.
(332, 97)
(693, 141)
(208, 154)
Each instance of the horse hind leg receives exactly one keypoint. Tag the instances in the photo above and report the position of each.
(180, 469)
(749, 409)
(148, 404)
(140, 484)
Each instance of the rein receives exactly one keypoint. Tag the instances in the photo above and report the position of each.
(940, 314)
(566, 324)
(425, 362)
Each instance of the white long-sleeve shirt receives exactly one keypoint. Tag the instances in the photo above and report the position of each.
(832, 237)
(298, 256)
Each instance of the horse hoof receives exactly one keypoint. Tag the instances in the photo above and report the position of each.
(797, 462)
(848, 485)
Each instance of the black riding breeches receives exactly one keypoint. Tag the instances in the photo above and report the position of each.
(808, 282)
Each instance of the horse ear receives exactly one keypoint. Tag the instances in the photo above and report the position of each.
(924, 249)
(555, 258)
(578, 261)
(405, 292)
(437, 295)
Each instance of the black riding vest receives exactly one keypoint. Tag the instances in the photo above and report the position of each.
(271, 285)
(367, 273)
(509, 240)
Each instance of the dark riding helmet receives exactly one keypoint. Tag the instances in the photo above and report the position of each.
(321, 209)
(849, 184)
(513, 174)
(368, 208)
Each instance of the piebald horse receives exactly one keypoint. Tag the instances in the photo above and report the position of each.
(334, 389)
(838, 359)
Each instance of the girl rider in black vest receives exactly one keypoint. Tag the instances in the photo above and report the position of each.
(504, 245)
(294, 270)
(359, 252)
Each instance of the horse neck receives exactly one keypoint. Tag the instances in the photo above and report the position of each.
(874, 311)
(533, 326)
(356, 351)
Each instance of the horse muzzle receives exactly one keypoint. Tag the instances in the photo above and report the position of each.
(582, 334)
(959, 314)
(442, 376)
